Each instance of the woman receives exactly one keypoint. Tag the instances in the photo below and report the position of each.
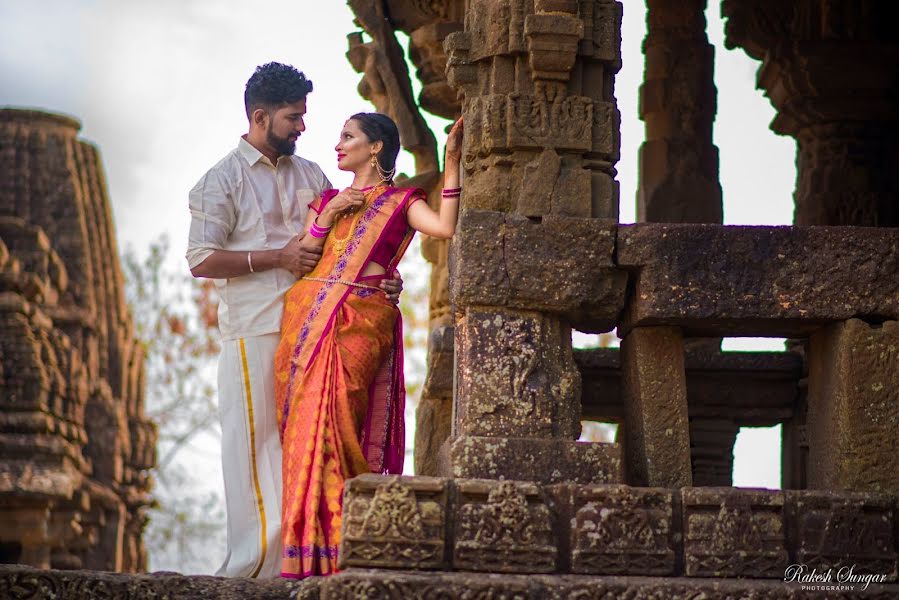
(339, 365)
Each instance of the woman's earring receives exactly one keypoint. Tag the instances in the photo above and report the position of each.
(374, 160)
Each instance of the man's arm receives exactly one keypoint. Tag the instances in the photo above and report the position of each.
(213, 218)
(223, 264)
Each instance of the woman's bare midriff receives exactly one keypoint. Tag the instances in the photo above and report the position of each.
(373, 268)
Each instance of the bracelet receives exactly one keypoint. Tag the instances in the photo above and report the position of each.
(317, 231)
(451, 192)
(250, 261)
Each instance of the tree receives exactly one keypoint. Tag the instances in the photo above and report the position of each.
(175, 318)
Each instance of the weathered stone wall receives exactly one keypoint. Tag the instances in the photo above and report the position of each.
(75, 446)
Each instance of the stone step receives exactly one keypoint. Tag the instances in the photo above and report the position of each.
(359, 584)
(19, 582)
(492, 526)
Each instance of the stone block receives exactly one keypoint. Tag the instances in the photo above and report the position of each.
(394, 522)
(853, 407)
(732, 532)
(842, 531)
(619, 530)
(561, 265)
(543, 460)
(515, 375)
(705, 278)
(503, 527)
(656, 424)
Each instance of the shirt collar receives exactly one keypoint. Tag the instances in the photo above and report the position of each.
(249, 152)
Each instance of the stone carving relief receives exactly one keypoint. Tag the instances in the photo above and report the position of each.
(737, 533)
(387, 524)
(619, 530)
(503, 527)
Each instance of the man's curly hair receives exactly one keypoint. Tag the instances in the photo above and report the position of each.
(273, 85)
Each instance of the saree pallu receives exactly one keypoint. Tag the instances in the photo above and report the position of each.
(339, 387)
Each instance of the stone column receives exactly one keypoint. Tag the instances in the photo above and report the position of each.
(712, 451)
(532, 254)
(657, 429)
(829, 68)
(678, 161)
(853, 407)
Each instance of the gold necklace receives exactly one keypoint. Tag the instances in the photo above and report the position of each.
(340, 244)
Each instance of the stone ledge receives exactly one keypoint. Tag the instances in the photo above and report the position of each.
(706, 278)
(357, 584)
(18, 582)
(524, 527)
(25, 583)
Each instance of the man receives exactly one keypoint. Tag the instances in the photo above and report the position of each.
(247, 218)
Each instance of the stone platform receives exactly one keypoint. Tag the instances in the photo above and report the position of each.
(26, 583)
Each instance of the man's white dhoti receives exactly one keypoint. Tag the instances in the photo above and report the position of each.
(251, 456)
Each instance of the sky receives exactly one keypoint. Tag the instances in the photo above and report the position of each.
(158, 86)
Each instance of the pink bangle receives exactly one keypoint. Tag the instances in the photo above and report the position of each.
(451, 192)
(318, 231)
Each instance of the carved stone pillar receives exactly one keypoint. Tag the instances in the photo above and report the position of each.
(829, 68)
(533, 249)
(678, 161)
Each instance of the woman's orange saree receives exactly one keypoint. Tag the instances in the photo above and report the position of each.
(339, 383)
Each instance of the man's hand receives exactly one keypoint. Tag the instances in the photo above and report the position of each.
(299, 259)
(393, 287)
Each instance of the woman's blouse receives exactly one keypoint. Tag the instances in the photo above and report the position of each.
(390, 240)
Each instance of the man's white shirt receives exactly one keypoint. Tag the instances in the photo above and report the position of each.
(246, 203)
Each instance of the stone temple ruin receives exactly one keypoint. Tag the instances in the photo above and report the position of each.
(506, 503)
(75, 447)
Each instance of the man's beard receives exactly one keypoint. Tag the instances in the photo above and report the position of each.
(284, 146)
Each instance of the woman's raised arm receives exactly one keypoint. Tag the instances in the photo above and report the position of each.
(442, 225)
